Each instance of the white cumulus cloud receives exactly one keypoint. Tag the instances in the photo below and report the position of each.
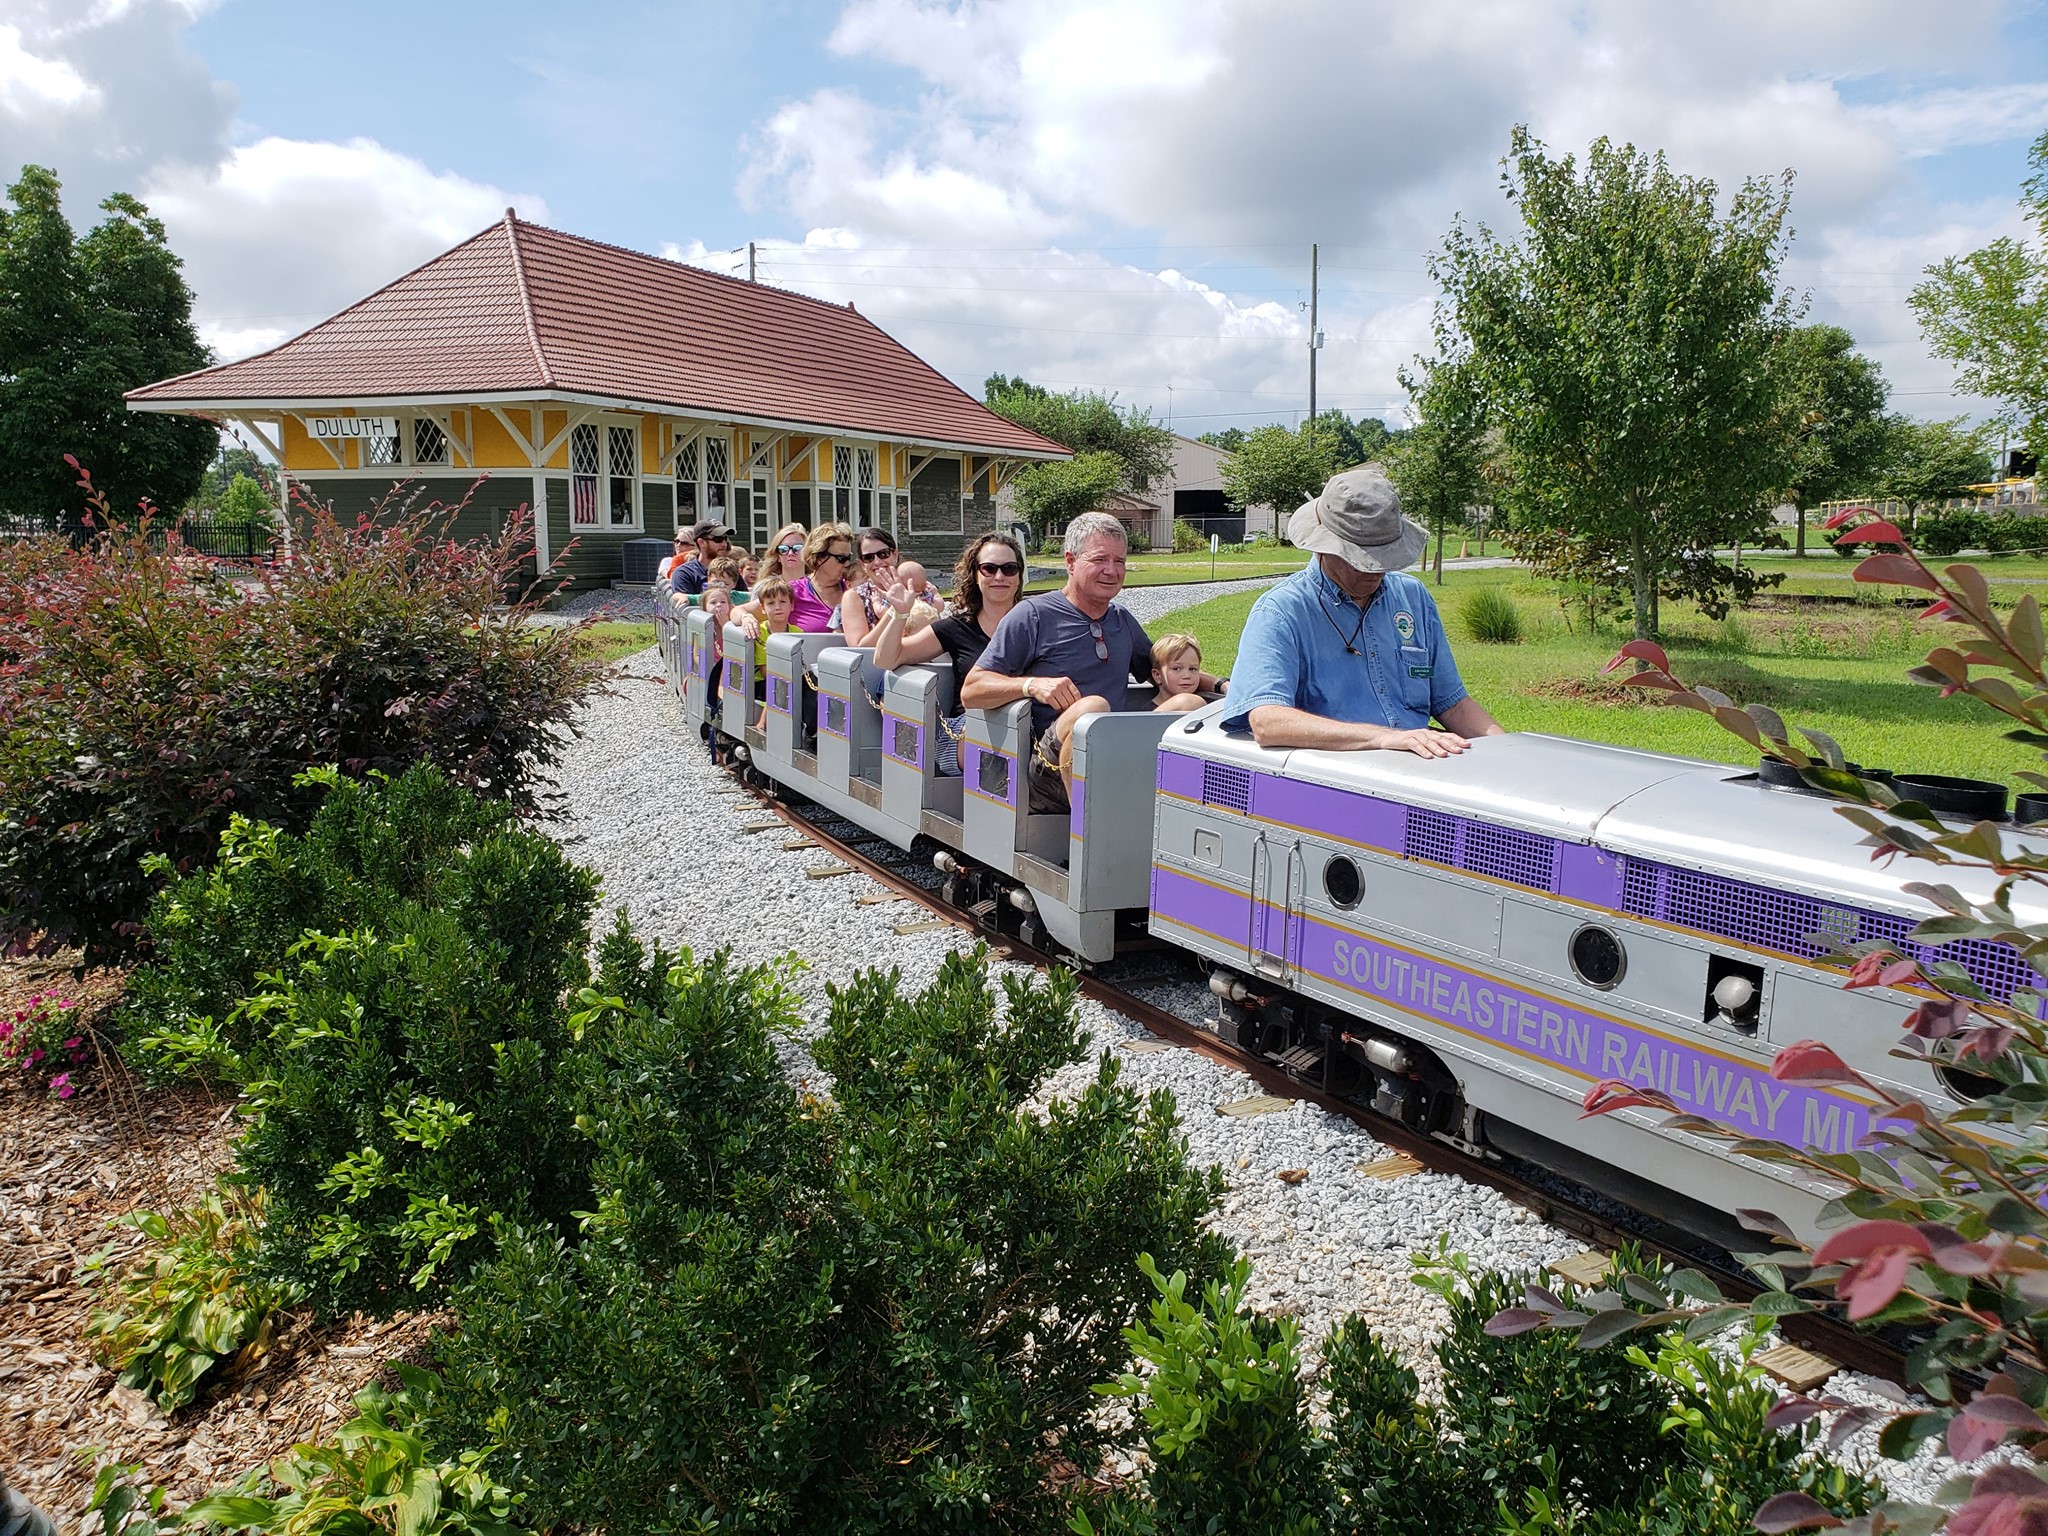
(284, 232)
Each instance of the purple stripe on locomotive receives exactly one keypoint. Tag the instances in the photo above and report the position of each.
(1077, 803)
(1757, 916)
(1591, 1046)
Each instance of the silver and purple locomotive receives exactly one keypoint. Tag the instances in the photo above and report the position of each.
(1468, 944)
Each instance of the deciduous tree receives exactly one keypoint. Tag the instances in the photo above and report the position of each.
(1090, 423)
(1835, 402)
(1438, 465)
(1276, 467)
(81, 321)
(1629, 346)
(1925, 461)
(1987, 312)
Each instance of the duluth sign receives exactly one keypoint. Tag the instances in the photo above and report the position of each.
(351, 426)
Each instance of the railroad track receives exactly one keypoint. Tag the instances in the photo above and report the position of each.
(1820, 1334)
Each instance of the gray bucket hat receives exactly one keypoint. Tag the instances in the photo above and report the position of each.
(1358, 519)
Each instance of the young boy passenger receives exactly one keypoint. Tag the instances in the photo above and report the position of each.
(1177, 668)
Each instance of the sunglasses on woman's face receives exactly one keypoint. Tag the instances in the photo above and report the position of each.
(843, 556)
(872, 555)
(997, 567)
(789, 549)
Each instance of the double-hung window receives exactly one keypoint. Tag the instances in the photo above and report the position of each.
(604, 480)
(686, 484)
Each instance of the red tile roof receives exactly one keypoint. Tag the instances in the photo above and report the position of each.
(523, 309)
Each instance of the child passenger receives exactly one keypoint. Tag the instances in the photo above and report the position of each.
(776, 601)
(1177, 671)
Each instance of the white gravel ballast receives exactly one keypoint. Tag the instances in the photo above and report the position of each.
(660, 825)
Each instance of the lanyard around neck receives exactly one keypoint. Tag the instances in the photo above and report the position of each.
(1357, 629)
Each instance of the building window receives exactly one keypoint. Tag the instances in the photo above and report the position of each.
(864, 484)
(622, 500)
(380, 450)
(583, 477)
(686, 484)
(429, 442)
(717, 476)
(842, 484)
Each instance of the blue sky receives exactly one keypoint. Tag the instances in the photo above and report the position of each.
(1118, 195)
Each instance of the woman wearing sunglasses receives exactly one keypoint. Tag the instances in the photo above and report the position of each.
(786, 552)
(988, 581)
(863, 606)
(828, 560)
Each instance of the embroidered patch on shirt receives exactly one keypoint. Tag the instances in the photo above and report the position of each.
(1404, 625)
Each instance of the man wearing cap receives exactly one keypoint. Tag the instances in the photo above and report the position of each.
(712, 540)
(1348, 653)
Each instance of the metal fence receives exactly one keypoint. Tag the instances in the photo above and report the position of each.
(242, 545)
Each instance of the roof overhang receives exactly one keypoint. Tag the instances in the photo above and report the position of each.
(274, 407)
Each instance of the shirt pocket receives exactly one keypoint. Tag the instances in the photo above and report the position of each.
(1417, 674)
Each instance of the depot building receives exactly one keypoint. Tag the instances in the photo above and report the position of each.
(618, 395)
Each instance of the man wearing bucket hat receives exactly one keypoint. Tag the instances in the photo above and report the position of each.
(1348, 653)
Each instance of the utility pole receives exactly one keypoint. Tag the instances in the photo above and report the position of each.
(750, 261)
(1315, 340)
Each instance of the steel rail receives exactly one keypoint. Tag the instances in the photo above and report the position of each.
(1821, 1333)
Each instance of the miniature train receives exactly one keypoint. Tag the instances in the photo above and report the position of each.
(1467, 944)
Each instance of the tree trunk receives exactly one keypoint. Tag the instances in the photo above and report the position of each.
(1799, 538)
(1440, 550)
(1639, 578)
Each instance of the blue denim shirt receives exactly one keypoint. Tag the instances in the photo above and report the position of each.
(1294, 653)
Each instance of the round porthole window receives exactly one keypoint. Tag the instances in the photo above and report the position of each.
(1597, 957)
(1342, 882)
(1968, 1087)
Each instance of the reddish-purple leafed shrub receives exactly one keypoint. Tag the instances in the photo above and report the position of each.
(146, 696)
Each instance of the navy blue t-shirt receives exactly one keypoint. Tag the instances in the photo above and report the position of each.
(1047, 636)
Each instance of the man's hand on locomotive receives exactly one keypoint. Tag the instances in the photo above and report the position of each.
(1349, 654)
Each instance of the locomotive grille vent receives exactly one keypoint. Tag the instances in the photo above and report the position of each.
(904, 739)
(1639, 887)
(1431, 835)
(1226, 786)
(1508, 854)
(835, 715)
(1799, 925)
(1997, 968)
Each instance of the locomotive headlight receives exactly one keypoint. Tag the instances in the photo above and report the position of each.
(1733, 994)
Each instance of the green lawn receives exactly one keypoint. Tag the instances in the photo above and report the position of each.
(1841, 670)
(613, 638)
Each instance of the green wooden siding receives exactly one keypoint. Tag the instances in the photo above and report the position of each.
(490, 502)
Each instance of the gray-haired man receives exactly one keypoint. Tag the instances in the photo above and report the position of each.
(1071, 653)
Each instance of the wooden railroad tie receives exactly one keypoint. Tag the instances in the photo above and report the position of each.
(927, 926)
(829, 871)
(1799, 1369)
(878, 899)
(1400, 1165)
(1588, 1270)
(763, 826)
(799, 842)
(1145, 1045)
(1257, 1104)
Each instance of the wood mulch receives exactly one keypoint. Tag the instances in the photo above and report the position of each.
(68, 1167)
